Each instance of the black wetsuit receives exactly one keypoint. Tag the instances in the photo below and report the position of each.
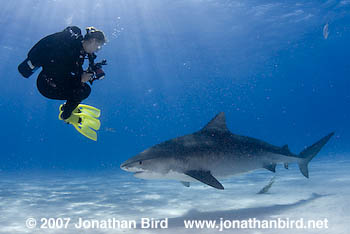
(61, 56)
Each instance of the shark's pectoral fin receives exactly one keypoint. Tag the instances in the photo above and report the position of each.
(205, 177)
(186, 184)
(270, 167)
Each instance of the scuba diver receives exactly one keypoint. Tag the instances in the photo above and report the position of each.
(61, 56)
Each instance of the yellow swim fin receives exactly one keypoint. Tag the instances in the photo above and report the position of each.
(84, 119)
(90, 110)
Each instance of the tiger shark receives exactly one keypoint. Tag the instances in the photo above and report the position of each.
(214, 152)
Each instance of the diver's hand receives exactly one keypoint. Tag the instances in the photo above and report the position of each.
(85, 77)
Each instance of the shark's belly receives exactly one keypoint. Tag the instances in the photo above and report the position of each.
(225, 165)
(170, 175)
(219, 165)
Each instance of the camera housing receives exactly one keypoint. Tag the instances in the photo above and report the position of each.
(96, 68)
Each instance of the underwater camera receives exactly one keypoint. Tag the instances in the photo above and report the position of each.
(26, 68)
(96, 68)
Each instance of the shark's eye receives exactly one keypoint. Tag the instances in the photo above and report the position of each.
(140, 162)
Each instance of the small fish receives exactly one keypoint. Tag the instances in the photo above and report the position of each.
(325, 31)
(267, 187)
(110, 130)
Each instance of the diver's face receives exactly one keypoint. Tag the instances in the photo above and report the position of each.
(92, 46)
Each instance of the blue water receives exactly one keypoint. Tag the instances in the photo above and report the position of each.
(172, 66)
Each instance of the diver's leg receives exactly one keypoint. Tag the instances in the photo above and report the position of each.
(65, 90)
(68, 108)
(49, 88)
(81, 92)
(75, 97)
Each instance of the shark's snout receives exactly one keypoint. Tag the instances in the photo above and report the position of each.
(126, 166)
(123, 166)
(135, 164)
(131, 166)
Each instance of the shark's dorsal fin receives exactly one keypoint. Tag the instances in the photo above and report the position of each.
(285, 147)
(205, 177)
(285, 150)
(185, 183)
(218, 123)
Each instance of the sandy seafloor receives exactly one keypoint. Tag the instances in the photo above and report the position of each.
(103, 195)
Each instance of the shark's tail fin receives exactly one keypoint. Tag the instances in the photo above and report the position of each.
(310, 152)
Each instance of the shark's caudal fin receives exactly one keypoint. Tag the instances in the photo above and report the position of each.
(310, 152)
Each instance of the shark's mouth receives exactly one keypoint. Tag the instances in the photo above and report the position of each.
(140, 174)
(148, 175)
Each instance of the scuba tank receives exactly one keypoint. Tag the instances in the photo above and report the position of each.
(26, 68)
